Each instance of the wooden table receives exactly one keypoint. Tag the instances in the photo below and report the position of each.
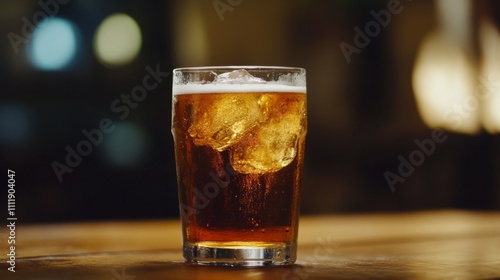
(422, 245)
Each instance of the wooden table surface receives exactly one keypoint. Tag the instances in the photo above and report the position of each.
(420, 245)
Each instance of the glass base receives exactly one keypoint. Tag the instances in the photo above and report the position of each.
(240, 253)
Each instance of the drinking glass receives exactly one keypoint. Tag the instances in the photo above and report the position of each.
(239, 134)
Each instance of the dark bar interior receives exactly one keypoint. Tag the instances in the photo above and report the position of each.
(88, 133)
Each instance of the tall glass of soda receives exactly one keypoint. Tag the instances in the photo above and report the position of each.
(239, 134)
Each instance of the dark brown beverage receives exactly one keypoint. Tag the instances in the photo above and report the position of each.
(239, 135)
(239, 158)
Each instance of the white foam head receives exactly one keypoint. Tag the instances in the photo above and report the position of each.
(238, 81)
(234, 88)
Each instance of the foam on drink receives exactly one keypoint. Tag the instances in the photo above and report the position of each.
(234, 88)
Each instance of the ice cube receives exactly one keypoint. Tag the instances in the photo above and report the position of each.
(237, 77)
(222, 119)
(273, 144)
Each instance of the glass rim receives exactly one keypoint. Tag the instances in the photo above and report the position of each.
(236, 67)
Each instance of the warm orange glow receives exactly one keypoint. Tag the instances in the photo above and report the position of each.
(444, 78)
(443, 82)
(490, 73)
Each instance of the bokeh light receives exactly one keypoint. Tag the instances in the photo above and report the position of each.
(443, 79)
(490, 71)
(15, 124)
(126, 146)
(53, 45)
(117, 40)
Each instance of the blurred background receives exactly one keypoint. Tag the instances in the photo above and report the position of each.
(403, 99)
